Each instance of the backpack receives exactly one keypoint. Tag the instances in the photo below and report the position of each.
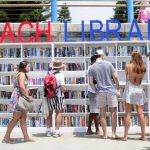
(50, 85)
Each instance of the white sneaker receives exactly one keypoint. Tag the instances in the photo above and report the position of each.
(48, 134)
(57, 134)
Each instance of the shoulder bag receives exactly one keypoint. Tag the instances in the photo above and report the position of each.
(25, 104)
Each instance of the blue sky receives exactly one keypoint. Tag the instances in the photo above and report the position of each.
(93, 13)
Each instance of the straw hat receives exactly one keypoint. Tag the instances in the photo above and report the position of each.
(57, 64)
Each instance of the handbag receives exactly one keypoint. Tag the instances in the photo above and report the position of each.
(25, 104)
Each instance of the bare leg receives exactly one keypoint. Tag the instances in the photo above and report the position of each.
(103, 121)
(58, 119)
(96, 121)
(89, 130)
(113, 111)
(23, 126)
(49, 119)
(142, 121)
(13, 122)
(127, 120)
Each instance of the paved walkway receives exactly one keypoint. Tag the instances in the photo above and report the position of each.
(75, 142)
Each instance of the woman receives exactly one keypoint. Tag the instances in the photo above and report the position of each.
(20, 87)
(134, 93)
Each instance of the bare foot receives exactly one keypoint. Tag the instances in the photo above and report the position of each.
(98, 133)
(8, 140)
(29, 140)
(89, 132)
(142, 138)
(105, 137)
(115, 137)
(124, 139)
(11, 139)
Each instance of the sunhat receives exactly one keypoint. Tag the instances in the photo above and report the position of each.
(57, 64)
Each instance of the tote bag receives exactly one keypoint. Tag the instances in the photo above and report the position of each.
(25, 104)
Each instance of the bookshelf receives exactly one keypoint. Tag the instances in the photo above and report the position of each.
(76, 57)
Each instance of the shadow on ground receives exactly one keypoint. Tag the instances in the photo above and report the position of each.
(16, 141)
(146, 148)
(39, 135)
(130, 137)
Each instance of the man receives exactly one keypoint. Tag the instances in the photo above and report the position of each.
(104, 73)
(56, 104)
(94, 111)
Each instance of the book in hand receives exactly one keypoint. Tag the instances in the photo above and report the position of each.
(33, 91)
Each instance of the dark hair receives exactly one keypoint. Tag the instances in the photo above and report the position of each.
(98, 56)
(93, 59)
(22, 66)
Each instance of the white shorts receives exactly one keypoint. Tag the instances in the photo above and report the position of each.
(103, 99)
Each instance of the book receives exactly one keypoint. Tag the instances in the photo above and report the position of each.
(33, 91)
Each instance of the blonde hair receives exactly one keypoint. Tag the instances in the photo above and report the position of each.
(138, 64)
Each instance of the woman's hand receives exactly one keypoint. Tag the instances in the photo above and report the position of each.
(30, 97)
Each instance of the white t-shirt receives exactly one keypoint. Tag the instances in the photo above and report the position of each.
(60, 81)
(89, 87)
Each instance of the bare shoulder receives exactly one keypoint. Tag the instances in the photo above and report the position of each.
(21, 75)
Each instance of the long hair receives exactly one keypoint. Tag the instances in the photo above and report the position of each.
(138, 64)
(22, 67)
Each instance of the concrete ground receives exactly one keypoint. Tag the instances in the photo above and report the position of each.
(75, 141)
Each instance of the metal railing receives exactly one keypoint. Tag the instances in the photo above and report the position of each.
(48, 3)
(78, 4)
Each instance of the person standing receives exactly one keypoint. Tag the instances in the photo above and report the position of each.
(20, 88)
(94, 111)
(143, 13)
(134, 94)
(55, 104)
(105, 75)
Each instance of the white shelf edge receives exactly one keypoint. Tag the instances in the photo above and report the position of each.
(76, 43)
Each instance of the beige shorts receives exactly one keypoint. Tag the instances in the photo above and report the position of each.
(103, 99)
